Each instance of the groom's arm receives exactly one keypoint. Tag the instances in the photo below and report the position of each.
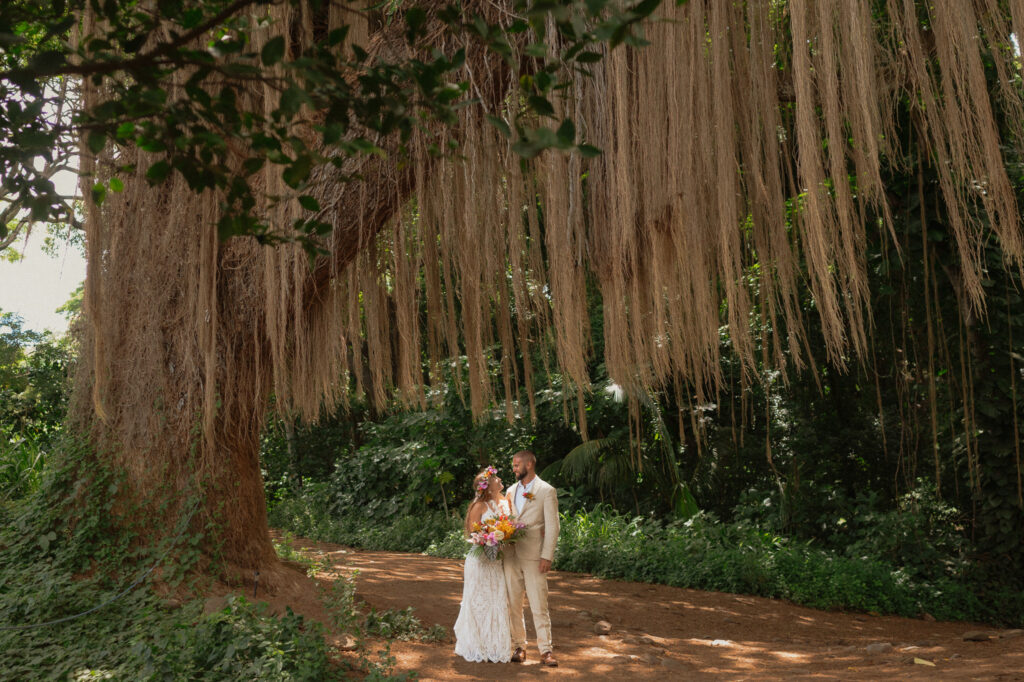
(551, 527)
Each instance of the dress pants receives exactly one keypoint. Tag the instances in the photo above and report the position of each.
(522, 574)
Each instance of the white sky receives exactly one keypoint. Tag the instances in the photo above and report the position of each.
(37, 285)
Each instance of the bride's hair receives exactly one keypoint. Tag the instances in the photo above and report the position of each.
(482, 482)
(481, 490)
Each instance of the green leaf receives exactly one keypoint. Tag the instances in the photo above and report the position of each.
(541, 105)
(645, 7)
(169, 8)
(273, 51)
(500, 125)
(253, 164)
(309, 203)
(539, 50)
(291, 101)
(49, 61)
(415, 17)
(99, 193)
(190, 18)
(45, 540)
(337, 36)
(567, 132)
(545, 137)
(618, 35)
(116, 185)
(526, 149)
(125, 131)
(295, 174)
(96, 141)
(158, 172)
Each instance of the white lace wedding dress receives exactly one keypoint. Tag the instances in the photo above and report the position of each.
(482, 631)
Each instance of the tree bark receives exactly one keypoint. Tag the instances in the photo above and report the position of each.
(146, 345)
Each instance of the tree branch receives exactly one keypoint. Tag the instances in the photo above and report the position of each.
(13, 233)
(148, 59)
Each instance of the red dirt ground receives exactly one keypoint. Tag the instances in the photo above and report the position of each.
(660, 633)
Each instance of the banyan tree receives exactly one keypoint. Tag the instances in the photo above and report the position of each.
(744, 133)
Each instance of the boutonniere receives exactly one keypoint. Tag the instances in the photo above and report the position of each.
(528, 496)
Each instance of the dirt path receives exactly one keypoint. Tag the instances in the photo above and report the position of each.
(660, 632)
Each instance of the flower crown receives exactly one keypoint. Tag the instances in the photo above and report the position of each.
(490, 471)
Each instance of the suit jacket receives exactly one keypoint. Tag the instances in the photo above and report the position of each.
(541, 518)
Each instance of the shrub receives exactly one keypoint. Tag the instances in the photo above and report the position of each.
(60, 556)
(307, 515)
(705, 553)
(240, 642)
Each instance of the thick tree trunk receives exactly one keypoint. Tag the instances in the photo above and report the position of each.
(235, 499)
(179, 418)
(145, 414)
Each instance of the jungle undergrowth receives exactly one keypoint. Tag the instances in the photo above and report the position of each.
(85, 596)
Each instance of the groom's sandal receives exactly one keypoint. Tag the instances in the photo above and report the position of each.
(518, 656)
(547, 659)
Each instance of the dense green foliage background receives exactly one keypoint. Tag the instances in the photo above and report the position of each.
(34, 384)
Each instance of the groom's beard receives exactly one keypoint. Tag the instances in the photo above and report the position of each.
(523, 475)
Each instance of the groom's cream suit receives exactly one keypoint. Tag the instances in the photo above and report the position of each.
(522, 562)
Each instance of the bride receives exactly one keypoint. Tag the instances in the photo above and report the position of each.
(482, 631)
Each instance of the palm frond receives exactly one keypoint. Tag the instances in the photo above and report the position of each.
(582, 460)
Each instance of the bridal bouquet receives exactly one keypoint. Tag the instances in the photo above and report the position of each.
(490, 536)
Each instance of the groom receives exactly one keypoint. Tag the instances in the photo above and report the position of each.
(527, 562)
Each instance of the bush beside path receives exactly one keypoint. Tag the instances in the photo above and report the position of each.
(606, 629)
